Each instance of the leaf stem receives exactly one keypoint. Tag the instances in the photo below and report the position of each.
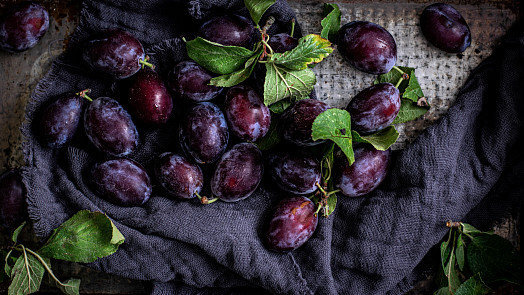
(399, 70)
(145, 62)
(84, 93)
(292, 27)
(26, 263)
(399, 82)
(321, 189)
(44, 263)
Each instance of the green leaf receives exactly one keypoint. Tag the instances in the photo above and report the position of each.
(311, 49)
(381, 140)
(443, 291)
(445, 251)
(413, 91)
(331, 22)
(239, 76)
(272, 137)
(335, 125)
(394, 76)
(470, 230)
(280, 106)
(69, 287)
(17, 232)
(257, 8)
(85, 237)
(494, 258)
(281, 83)
(218, 58)
(451, 273)
(27, 275)
(460, 252)
(473, 286)
(7, 260)
(409, 111)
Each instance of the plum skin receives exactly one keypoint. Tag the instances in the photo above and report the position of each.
(23, 26)
(248, 117)
(367, 172)
(238, 173)
(445, 28)
(367, 47)
(110, 127)
(296, 172)
(374, 108)
(179, 177)
(190, 81)
(297, 121)
(121, 181)
(292, 224)
(13, 192)
(60, 120)
(230, 30)
(282, 42)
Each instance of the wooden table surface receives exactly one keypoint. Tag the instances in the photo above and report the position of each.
(439, 74)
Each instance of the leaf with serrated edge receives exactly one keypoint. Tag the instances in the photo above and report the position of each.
(217, 58)
(257, 8)
(237, 77)
(311, 49)
(17, 232)
(494, 258)
(281, 83)
(331, 22)
(381, 140)
(409, 111)
(335, 125)
(69, 287)
(470, 230)
(7, 266)
(272, 137)
(445, 251)
(460, 252)
(27, 275)
(413, 91)
(393, 76)
(442, 291)
(85, 237)
(473, 286)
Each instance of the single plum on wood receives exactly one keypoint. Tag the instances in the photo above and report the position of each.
(203, 133)
(178, 176)
(293, 222)
(23, 26)
(230, 30)
(444, 27)
(297, 172)
(367, 172)
(110, 127)
(248, 117)
(368, 47)
(297, 121)
(114, 52)
(149, 99)
(121, 181)
(238, 173)
(13, 208)
(60, 119)
(190, 81)
(374, 108)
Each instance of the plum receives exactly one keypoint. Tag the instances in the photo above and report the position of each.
(23, 26)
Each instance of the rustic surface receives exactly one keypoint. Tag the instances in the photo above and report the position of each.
(439, 74)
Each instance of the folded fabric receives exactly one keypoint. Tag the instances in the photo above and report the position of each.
(467, 165)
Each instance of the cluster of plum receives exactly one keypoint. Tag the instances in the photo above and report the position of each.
(205, 129)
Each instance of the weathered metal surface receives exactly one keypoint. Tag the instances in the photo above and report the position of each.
(439, 74)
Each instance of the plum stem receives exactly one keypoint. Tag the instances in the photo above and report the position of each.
(399, 70)
(453, 224)
(204, 200)
(145, 62)
(292, 27)
(84, 93)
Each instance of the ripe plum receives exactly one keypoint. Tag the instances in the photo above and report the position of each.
(149, 99)
(230, 30)
(204, 133)
(238, 173)
(60, 119)
(114, 52)
(110, 127)
(178, 176)
(445, 28)
(294, 171)
(248, 117)
(297, 121)
(368, 47)
(12, 199)
(190, 81)
(282, 42)
(367, 172)
(292, 224)
(23, 26)
(374, 108)
(121, 181)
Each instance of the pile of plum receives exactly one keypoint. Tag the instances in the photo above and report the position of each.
(205, 129)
